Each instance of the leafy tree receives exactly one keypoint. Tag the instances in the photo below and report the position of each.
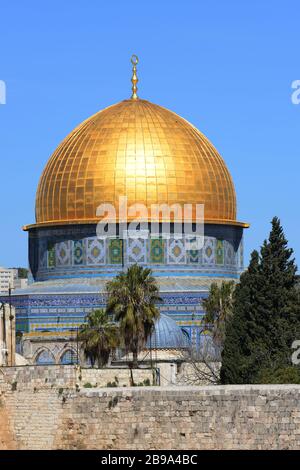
(266, 315)
(99, 337)
(22, 273)
(218, 308)
(132, 299)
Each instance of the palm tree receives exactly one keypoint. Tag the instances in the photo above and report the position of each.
(218, 308)
(99, 337)
(132, 298)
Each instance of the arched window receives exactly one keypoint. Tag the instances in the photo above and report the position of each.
(208, 347)
(45, 357)
(186, 334)
(68, 357)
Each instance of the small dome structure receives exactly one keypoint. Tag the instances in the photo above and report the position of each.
(167, 335)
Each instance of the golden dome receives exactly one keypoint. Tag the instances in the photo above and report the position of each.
(138, 149)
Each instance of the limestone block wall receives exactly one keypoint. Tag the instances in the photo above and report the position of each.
(35, 377)
(210, 417)
(7, 440)
(68, 377)
(122, 377)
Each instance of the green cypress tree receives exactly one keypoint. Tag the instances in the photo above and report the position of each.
(241, 328)
(266, 317)
(279, 300)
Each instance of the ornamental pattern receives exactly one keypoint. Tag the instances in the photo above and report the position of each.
(193, 254)
(157, 251)
(66, 312)
(95, 251)
(115, 250)
(219, 252)
(51, 255)
(209, 251)
(229, 254)
(136, 250)
(78, 252)
(78, 257)
(63, 253)
(176, 252)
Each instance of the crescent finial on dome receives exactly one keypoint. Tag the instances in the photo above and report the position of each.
(134, 60)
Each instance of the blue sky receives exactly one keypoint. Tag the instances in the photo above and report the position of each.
(226, 66)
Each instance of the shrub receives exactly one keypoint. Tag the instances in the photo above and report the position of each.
(281, 375)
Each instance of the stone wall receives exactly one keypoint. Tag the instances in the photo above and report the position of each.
(215, 417)
(37, 377)
(7, 440)
(121, 377)
(69, 377)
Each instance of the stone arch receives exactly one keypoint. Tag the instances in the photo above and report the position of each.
(186, 334)
(67, 356)
(44, 356)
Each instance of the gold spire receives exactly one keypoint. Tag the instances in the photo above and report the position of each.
(134, 60)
